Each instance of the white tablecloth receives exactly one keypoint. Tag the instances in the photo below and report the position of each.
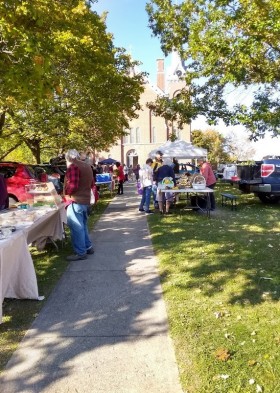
(17, 274)
(206, 191)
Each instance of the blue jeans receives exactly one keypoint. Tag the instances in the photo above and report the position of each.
(146, 198)
(154, 192)
(77, 216)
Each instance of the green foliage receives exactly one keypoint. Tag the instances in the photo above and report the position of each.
(225, 43)
(215, 144)
(63, 83)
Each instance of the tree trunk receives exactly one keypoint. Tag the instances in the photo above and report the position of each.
(34, 146)
(2, 121)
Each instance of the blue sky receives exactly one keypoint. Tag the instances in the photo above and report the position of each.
(127, 20)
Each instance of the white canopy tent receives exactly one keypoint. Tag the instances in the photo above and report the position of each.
(180, 149)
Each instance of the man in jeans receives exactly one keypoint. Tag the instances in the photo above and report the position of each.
(146, 181)
(77, 188)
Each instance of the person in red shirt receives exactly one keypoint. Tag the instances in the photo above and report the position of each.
(207, 172)
(120, 177)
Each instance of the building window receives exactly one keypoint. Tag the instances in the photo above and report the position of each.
(154, 139)
(178, 133)
(126, 137)
(132, 135)
(137, 135)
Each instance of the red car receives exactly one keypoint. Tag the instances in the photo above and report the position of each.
(17, 175)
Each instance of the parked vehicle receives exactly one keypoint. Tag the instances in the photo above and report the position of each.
(52, 173)
(17, 176)
(261, 178)
(188, 167)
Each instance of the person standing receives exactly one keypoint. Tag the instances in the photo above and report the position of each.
(207, 172)
(146, 181)
(155, 166)
(125, 171)
(4, 198)
(163, 171)
(77, 190)
(120, 178)
(176, 167)
(136, 172)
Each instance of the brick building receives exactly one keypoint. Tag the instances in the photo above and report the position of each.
(147, 132)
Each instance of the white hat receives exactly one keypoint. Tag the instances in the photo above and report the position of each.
(167, 161)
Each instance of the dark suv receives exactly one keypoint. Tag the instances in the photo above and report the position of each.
(17, 175)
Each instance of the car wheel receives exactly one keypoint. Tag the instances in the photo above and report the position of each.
(269, 198)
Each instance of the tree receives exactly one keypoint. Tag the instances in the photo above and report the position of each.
(240, 148)
(214, 142)
(225, 43)
(62, 79)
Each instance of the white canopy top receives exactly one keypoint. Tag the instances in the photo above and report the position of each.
(179, 149)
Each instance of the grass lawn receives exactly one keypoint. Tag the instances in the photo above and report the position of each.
(49, 265)
(221, 283)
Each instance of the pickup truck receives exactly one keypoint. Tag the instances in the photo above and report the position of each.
(261, 178)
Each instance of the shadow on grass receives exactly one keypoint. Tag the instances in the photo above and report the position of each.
(235, 252)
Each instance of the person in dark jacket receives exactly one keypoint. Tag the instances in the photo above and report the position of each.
(4, 198)
(165, 170)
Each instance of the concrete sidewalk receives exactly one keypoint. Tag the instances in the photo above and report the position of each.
(104, 327)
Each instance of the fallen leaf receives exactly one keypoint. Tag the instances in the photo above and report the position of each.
(270, 245)
(222, 354)
(259, 389)
(252, 363)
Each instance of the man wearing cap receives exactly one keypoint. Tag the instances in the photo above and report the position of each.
(164, 171)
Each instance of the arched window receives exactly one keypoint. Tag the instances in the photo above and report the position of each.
(137, 135)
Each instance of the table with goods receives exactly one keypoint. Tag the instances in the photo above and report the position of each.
(38, 220)
(194, 187)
